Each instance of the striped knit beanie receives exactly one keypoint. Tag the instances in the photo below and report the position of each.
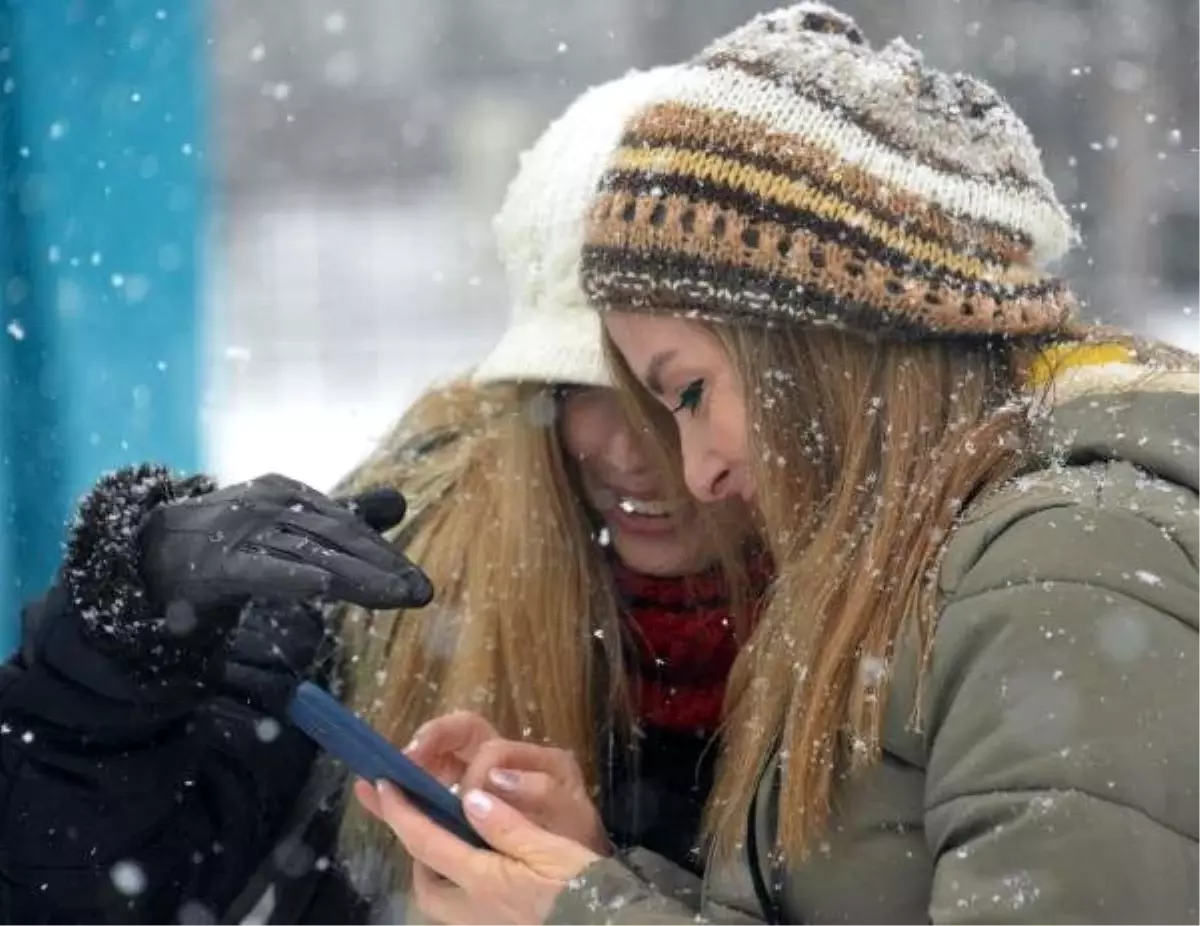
(791, 173)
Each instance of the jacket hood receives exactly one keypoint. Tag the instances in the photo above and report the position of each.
(1136, 412)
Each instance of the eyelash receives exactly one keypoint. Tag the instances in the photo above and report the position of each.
(689, 397)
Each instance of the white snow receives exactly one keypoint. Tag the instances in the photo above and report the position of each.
(128, 877)
(267, 729)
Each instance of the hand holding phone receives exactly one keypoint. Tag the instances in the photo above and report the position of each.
(367, 754)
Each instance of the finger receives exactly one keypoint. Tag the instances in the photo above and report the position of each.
(350, 579)
(339, 530)
(460, 733)
(517, 756)
(296, 496)
(381, 509)
(446, 767)
(366, 795)
(443, 901)
(336, 522)
(257, 574)
(356, 540)
(431, 845)
(532, 793)
(513, 834)
(332, 523)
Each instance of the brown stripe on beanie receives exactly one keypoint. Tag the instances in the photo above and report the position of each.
(747, 141)
(665, 283)
(626, 242)
(673, 194)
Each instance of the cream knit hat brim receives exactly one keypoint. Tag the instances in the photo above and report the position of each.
(559, 346)
(553, 335)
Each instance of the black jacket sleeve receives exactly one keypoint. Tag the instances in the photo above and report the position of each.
(129, 799)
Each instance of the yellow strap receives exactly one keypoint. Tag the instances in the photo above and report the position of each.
(1054, 360)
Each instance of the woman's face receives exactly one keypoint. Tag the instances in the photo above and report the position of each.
(686, 367)
(650, 535)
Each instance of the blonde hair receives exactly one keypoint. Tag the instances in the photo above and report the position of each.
(866, 454)
(475, 462)
(525, 626)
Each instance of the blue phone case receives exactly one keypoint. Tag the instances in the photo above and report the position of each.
(370, 756)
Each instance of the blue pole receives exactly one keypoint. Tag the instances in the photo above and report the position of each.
(102, 148)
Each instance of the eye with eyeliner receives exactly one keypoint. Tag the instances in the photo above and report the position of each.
(690, 397)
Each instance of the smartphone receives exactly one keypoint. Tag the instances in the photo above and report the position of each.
(367, 754)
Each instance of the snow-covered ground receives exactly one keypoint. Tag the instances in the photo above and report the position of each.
(327, 320)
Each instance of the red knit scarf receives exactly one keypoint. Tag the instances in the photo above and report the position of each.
(684, 641)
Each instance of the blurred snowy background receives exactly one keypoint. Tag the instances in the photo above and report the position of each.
(363, 146)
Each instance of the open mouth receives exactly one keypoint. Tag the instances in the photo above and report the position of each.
(609, 499)
(645, 507)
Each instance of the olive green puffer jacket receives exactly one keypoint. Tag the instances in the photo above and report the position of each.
(1055, 779)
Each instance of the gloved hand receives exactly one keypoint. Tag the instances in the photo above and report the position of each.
(276, 538)
(158, 569)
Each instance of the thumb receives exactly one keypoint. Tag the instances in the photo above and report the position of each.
(511, 833)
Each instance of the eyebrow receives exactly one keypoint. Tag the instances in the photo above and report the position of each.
(653, 377)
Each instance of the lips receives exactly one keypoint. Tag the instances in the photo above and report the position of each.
(609, 499)
(646, 507)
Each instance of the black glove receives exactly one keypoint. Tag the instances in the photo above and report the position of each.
(162, 567)
(275, 538)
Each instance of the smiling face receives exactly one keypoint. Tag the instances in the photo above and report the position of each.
(650, 531)
(683, 365)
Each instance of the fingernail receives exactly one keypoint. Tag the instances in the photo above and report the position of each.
(477, 803)
(412, 744)
(503, 778)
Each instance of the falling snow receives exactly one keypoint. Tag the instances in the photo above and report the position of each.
(341, 343)
(1149, 578)
(129, 878)
(267, 729)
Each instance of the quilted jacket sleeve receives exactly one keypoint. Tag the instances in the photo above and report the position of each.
(1062, 739)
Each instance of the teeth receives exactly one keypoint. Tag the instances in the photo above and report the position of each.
(651, 508)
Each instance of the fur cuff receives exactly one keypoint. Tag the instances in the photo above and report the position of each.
(102, 571)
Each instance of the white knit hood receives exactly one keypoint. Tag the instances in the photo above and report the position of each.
(553, 335)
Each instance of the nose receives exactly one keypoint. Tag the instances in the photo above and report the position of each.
(707, 476)
(625, 451)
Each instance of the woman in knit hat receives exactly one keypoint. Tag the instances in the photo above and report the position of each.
(580, 596)
(972, 696)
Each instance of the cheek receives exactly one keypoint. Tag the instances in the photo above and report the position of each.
(729, 430)
(580, 437)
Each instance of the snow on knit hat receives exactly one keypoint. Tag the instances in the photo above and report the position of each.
(553, 334)
(792, 172)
